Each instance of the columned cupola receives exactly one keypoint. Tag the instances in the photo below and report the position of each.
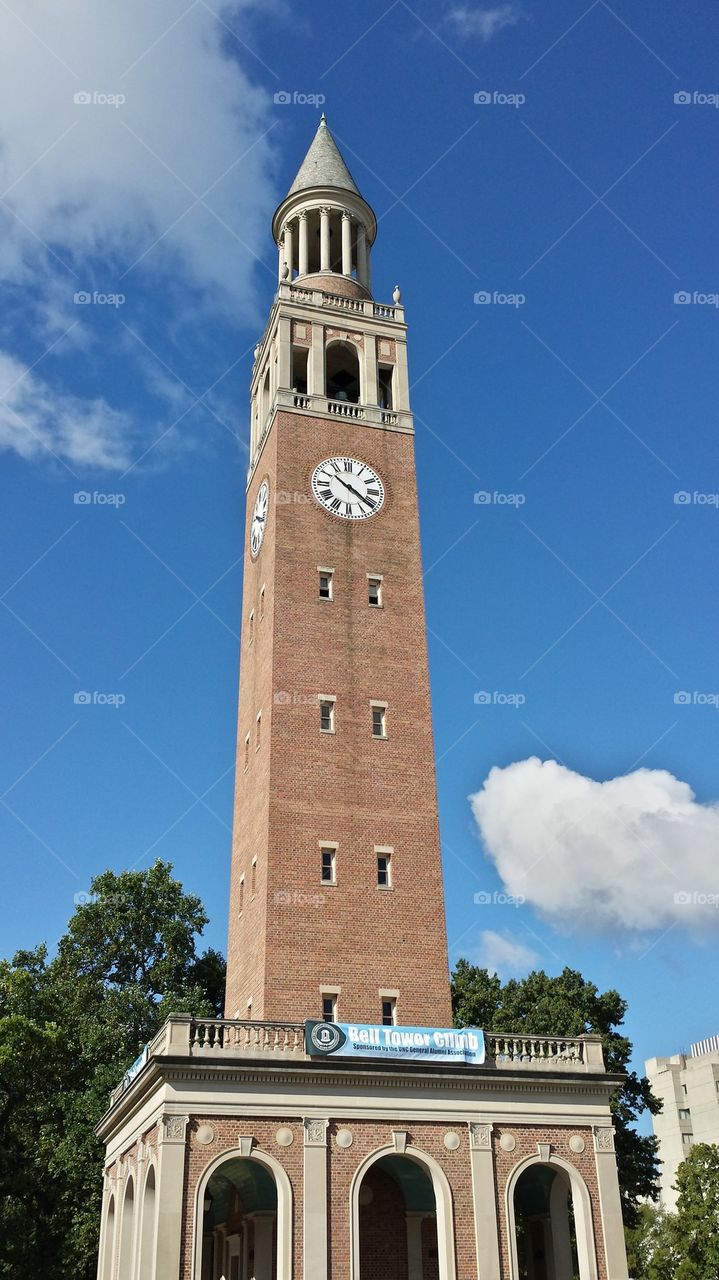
(323, 227)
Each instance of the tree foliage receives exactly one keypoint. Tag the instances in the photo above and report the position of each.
(569, 1005)
(69, 1028)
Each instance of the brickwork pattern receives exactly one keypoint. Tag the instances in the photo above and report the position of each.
(303, 787)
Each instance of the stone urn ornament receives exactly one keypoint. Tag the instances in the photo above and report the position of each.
(397, 295)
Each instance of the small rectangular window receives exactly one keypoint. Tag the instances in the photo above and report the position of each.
(384, 870)
(684, 1113)
(328, 865)
(258, 731)
(374, 592)
(388, 1012)
(327, 715)
(384, 386)
(242, 893)
(329, 1008)
(379, 720)
(684, 1089)
(253, 882)
(249, 1009)
(262, 603)
(252, 625)
(247, 752)
(687, 1139)
(325, 584)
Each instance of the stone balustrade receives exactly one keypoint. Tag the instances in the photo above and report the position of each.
(313, 297)
(188, 1037)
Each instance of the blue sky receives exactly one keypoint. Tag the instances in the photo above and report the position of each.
(576, 596)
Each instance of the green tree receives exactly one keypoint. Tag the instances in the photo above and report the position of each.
(569, 1005)
(687, 1246)
(69, 1029)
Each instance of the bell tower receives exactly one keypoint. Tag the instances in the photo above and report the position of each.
(336, 902)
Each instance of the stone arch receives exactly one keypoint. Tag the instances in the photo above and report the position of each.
(108, 1240)
(126, 1258)
(344, 373)
(443, 1208)
(284, 1207)
(582, 1205)
(147, 1226)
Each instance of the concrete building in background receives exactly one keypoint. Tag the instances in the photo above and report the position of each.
(689, 1088)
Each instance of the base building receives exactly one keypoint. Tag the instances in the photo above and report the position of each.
(242, 1149)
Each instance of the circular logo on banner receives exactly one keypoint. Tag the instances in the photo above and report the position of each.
(325, 1037)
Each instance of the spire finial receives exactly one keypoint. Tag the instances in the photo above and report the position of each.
(323, 118)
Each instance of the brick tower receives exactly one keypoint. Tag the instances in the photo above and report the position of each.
(243, 1148)
(336, 904)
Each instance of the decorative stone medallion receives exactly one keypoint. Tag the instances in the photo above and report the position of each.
(451, 1141)
(603, 1138)
(508, 1142)
(284, 1137)
(344, 1138)
(205, 1135)
(577, 1144)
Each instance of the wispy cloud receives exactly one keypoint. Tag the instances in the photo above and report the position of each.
(503, 954)
(484, 23)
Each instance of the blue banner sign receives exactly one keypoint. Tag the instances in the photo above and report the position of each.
(410, 1044)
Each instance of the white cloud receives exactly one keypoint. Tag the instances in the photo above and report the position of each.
(484, 23)
(502, 954)
(36, 420)
(96, 181)
(88, 189)
(637, 852)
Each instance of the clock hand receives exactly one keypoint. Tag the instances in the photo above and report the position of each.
(356, 492)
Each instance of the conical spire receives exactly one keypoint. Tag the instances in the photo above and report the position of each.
(323, 165)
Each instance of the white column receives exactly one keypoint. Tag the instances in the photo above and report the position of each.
(484, 1198)
(346, 243)
(315, 1200)
(414, 1221)
(362, 255)
(169, 1193)
(401, 378)
(609, 1202)
(289, 247)
(304, 244)
(370, 388)
(284, 352)
(324, 240)
(264, 1230)
(316, 369)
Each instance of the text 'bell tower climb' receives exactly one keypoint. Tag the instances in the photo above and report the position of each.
(336, 906)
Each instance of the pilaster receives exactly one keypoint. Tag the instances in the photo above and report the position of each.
(169, 1195)
(315, 1199)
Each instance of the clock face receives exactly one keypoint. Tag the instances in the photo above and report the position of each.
(259, 519)
(348, 488)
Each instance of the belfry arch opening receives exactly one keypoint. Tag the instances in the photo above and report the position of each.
(239, 1223)
(343, 372)
(398, 1222)
(546, 1224)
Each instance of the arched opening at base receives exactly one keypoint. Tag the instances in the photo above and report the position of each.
(398, 1221)
(239, 1223)
(545, 1227)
